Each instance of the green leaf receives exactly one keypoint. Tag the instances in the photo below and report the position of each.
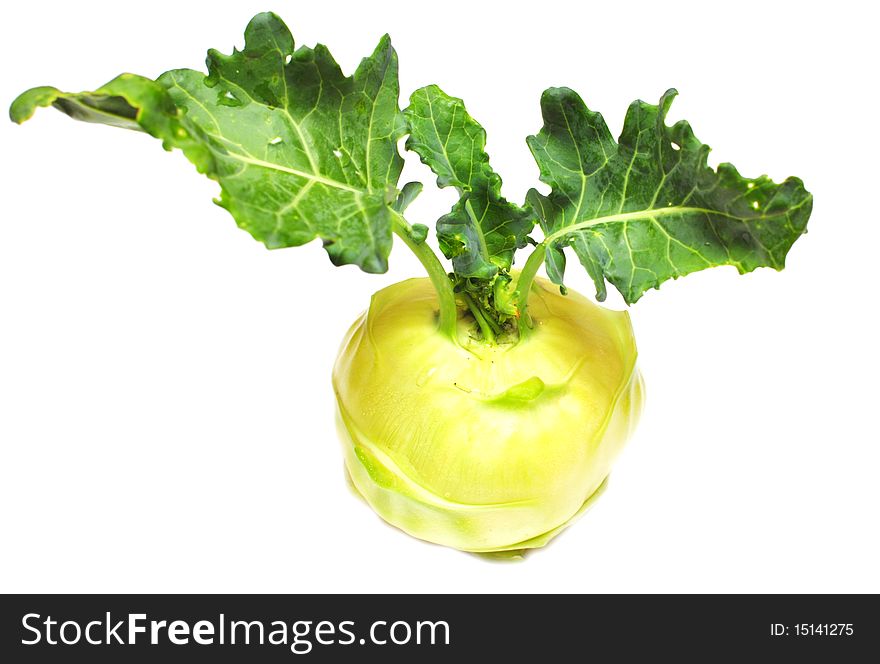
(648, 207)
(419, 233)
(407, 195)
(128, 101)
(299, 149)
(483, 230)
(409, 192)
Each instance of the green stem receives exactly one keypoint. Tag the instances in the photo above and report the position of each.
(436, 272)
(524, 286)
(496, 328)
(485, 327)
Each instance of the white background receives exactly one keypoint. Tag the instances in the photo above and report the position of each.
(166, 417)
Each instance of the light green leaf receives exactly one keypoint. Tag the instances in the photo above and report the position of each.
(483, 229)
(300, 150)
(648, 207)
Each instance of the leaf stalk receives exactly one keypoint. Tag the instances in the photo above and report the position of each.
(448, 312)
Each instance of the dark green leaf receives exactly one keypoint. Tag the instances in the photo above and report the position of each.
(483, 230)
(648, 207)
(407, 195)
(300, 150)
(418, 232)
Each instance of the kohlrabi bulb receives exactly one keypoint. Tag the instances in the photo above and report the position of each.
(484, 448)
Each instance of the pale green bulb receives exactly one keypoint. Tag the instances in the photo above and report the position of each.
(484, 448)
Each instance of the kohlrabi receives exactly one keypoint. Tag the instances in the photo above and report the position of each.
(480, 408)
